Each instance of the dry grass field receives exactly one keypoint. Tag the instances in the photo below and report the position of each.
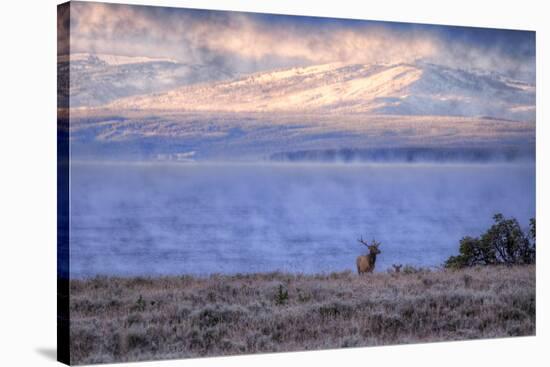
(131, 319)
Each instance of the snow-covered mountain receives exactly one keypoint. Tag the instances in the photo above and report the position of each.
(98, 79)
(142, 108)
(398, 89)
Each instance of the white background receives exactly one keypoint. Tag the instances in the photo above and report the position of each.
(28, 181)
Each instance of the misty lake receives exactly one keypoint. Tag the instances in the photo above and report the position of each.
(165, 219)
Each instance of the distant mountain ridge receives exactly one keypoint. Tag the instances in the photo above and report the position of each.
(111, 59)
(398, 89)
(99, 79)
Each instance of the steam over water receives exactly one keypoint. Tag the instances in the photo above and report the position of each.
(139, 219)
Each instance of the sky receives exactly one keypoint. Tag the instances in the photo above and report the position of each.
(251, 42)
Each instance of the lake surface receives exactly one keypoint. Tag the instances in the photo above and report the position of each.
(153, 219)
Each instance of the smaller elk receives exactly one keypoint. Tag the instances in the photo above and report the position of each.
(397, 267)
(365, 263)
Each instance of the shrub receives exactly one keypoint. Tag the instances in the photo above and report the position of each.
(211, 316)
(503, 243)
(410, 269)
(140, 304)
(282, 296)
(336, 309)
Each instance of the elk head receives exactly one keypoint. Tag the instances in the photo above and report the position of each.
(397, 267)
(373, 247)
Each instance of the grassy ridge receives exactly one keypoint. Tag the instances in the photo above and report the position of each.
(130, 319)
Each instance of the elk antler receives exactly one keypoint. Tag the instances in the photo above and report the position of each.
(363, 241)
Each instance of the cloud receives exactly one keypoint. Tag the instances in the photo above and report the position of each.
(189, 35)
(519, 64)
(256, 41)
(248, 42)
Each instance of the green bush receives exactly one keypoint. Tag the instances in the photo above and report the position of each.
(503, 243)
(140, 304)
(282, 296)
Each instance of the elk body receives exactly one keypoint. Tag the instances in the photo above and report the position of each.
(365, 263)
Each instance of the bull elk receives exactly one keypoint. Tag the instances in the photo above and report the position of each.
(365, 263)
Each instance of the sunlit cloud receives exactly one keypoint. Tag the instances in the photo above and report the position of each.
(249, 42)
